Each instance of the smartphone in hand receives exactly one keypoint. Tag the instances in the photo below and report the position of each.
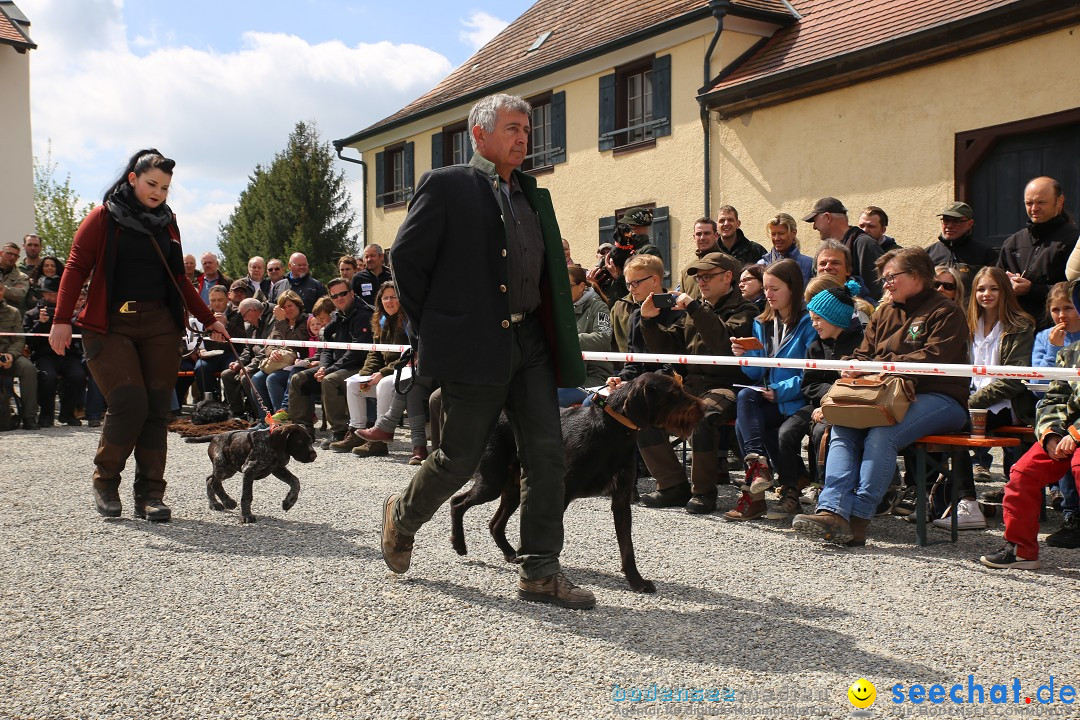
(664, 300)
(748, 343)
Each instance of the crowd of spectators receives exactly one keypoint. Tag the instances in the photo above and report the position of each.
(861, 296)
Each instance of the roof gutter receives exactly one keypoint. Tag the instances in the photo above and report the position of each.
(363, 186)
(719, 9)
(572, 60)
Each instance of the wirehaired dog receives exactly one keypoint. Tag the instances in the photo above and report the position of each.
(599, 461)
(257, 454)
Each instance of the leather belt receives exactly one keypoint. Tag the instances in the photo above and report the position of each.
(137, 306)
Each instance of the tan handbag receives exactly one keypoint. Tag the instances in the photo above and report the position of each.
(288, 357)
(868, 401)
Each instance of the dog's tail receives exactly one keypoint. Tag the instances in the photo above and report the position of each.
(201, 439)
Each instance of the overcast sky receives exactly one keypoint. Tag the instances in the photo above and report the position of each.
(218, 86)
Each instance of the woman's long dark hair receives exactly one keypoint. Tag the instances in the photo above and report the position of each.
(36, 273)
(140, 162)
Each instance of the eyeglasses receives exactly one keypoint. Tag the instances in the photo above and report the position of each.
(938, 285)
(891, 277)
(274, 270)
(635, 283)
(947, 220)
(707, 277)
(338, 296)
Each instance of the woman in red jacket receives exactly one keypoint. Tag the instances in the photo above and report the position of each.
(131, 326)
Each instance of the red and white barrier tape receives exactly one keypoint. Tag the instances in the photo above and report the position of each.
(1037, 374)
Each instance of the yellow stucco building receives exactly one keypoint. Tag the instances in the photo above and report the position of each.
(17, 179)
(906, 107)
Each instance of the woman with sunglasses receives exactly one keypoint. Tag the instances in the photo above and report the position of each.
(131, 326)
(948, 282)
(919, 325)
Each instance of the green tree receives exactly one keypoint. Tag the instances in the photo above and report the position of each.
(58, 209)
(298, 204)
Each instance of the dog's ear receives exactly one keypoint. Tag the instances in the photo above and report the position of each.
(636, 404)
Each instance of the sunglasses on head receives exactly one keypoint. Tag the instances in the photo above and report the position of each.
(950, 286)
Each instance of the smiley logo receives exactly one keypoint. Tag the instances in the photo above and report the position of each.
(862, 693)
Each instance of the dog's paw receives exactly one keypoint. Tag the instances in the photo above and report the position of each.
(248, 519)
(288, 502)
(512, 558)
(643, 586)
(215, 505)
(229, 503)
(458, 543)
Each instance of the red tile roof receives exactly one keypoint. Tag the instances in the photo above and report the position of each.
(830, 30)
(14, 26)
(578, 30)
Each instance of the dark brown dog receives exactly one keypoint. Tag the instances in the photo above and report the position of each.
(257, 454)
(599, 461)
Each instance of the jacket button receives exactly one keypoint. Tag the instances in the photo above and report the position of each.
(504, 252)
(502, 288)
(506, 323)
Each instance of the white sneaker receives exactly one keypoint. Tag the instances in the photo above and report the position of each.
(968, 517)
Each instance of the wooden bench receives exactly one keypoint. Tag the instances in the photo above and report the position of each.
(955, 448)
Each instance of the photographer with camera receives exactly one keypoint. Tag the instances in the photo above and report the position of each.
(629, 240)
(50, 366)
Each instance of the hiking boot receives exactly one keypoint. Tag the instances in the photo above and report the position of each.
(346, 444)
(1006, 558)
(858, 531)
(396, 548)
(30, 423)
(374, 434)
(557, 590)
(701, 504)
(750, 506)
(152, 509)
(968, 516)
(789, 504)
(1066, 536)
(825, 525)
(419, 455)
(981, 473)
(674, 496)
(107, 502)
(888, 502)
(371, 449)
(758, 475)
(338, 436)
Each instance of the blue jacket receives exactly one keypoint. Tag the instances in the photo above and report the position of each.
(786, 382)
(1043, 354)
(806, 263)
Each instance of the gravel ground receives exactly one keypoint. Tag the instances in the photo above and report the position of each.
(297, 617)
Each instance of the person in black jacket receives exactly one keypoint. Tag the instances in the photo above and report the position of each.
(733, 240)
(957, 247)
(1035, 258)
(830, 219)
(351, 322)
(50, 366)
(366, 282)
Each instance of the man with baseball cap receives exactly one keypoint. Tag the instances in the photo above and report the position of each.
(707, 328)
(957, 247)
(830, 219)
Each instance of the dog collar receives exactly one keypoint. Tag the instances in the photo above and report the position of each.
(598, 399)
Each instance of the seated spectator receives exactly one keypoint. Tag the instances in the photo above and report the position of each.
(782, 230)
(50, 266)
(770, 423)
(950, 283)
(376, 379)
(213, 357)
(1001, 334)
(919, 325)
(309, 356)
(15, 281)
(366, 283)
(956, 246)
(191, 269)
(834, 259)
(750, 285)
(12, 361)
(594, 335)
(273, 363)
(257, 279)
(1048, 344)
(238, 292)
(300, 282)
(351, 323)
(258, 323)
(1057, 425)
(706, 240)
(211, 276)
(705, 329)
(51, 368)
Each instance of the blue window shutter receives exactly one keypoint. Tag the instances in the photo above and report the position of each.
(661, 238)
(661, 94)
(436, 150)
(607, 110)
(408, 165)
(468, 144)
(607, 227)
(558, 126)
(380, 179)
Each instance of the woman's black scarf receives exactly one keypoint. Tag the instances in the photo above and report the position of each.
(128, 212)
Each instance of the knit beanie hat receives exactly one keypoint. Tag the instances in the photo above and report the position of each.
(835, 305)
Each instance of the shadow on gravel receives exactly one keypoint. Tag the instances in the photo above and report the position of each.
(269, 537)
(693, 636)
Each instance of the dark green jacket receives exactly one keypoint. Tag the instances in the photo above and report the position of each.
(450, 268)
(1016, 348)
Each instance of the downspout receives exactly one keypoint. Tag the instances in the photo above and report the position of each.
(363, 189)
(719, 10)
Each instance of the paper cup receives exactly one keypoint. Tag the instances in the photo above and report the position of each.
(978, 423)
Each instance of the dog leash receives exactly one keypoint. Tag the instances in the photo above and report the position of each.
(601, 402)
